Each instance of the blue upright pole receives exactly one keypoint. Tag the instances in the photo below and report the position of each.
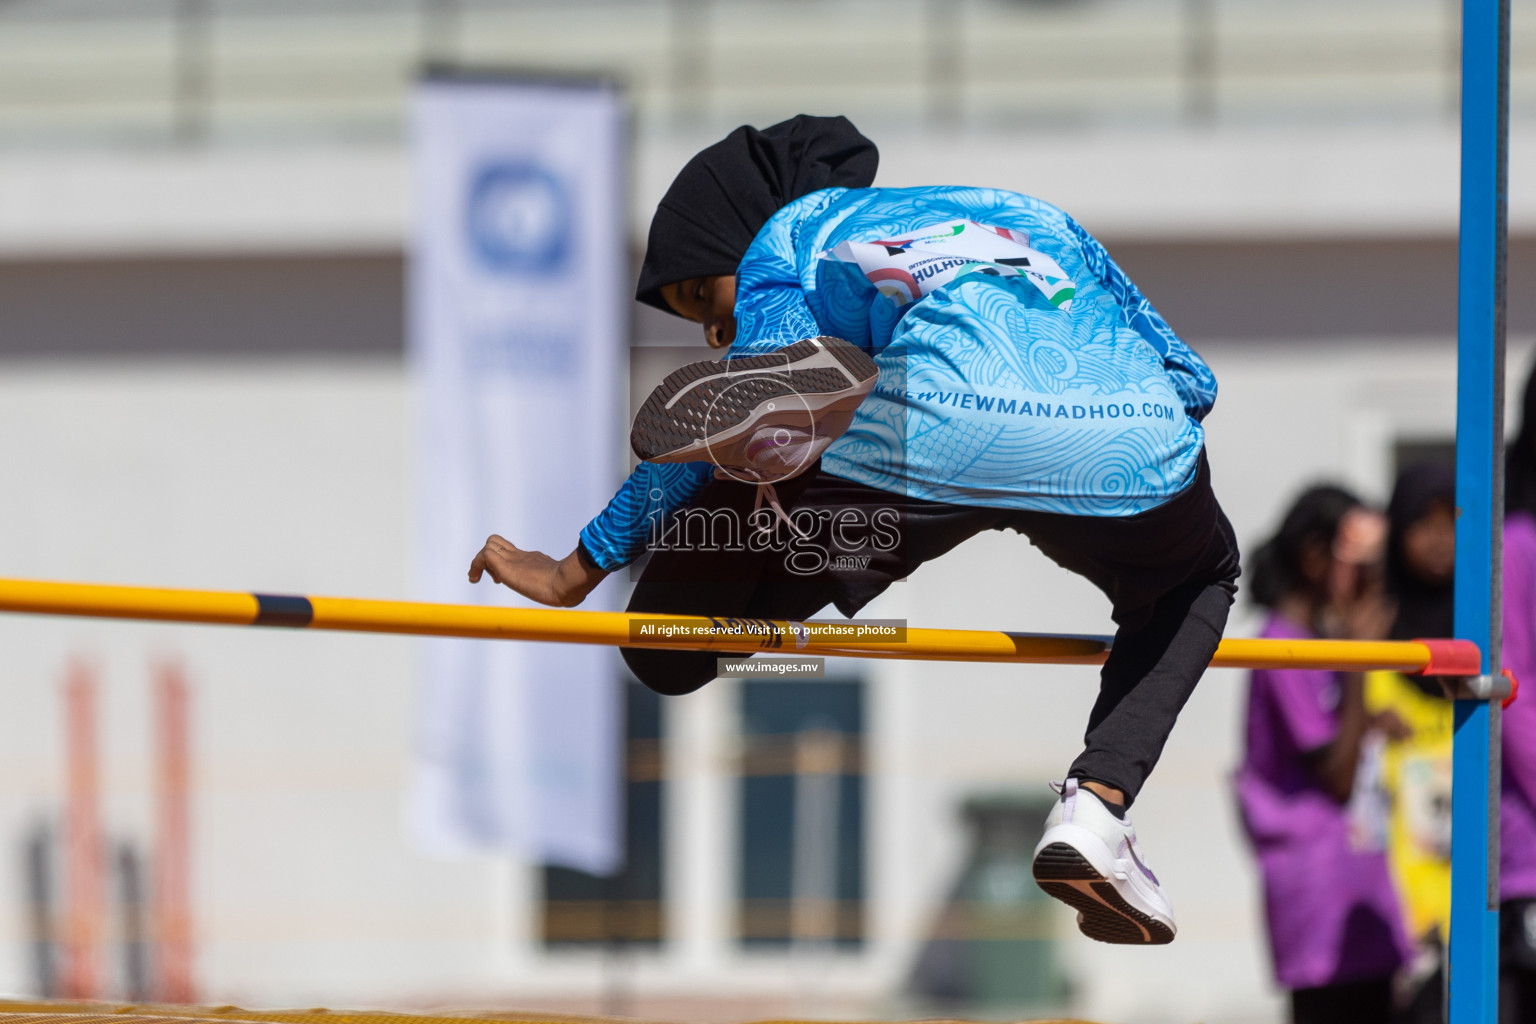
(1474, 938)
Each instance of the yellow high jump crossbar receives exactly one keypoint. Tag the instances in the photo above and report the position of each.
(693, 633)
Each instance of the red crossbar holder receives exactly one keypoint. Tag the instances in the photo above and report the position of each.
(1451, 658)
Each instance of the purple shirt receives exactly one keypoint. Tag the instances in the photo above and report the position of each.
(1517, 806)
(1332, 913)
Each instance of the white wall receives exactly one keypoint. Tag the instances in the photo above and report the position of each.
(293, 478)
(1159, 184)
(290, 480)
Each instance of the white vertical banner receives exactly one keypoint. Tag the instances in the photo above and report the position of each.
(516, 346)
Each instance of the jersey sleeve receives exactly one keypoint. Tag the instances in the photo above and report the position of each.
(1193, 380)
(653, 491)
(771, 310)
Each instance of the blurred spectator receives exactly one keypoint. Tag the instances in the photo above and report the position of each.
(1517, 861)
(1308, 796)
(1416, 765)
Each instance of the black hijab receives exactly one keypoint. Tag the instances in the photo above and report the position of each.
(1424, 608)
(725, 194)
(1520, 457)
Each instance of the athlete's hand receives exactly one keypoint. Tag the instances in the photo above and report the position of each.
(535, 575)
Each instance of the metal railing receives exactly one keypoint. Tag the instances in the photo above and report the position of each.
(94, 71)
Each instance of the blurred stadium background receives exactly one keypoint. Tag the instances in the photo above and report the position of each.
(204, 232)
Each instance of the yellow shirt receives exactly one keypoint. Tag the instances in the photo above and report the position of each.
(1416, 773)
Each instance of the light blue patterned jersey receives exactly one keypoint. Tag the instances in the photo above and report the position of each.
(1019, 366)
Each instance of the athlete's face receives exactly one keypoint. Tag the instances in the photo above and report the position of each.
(710, 301)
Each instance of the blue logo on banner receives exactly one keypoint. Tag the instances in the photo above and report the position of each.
(518, 219)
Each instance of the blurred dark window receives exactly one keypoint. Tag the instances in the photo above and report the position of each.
(802, 813)
(1439, 451)
(627, 907)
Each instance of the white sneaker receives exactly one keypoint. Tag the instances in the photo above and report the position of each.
(1089, 859)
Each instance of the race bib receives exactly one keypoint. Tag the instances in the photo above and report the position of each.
(906, 269)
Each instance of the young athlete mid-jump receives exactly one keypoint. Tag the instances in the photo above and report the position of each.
(904, 369)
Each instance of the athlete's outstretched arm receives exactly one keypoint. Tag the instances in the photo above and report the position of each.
(538, 577)
(611, 541)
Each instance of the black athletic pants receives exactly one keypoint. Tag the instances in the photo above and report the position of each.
(1353, 1002)
(1517, 962)
(1169, 574)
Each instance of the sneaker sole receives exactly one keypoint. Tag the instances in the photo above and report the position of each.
(706, 403)
(1065, 874)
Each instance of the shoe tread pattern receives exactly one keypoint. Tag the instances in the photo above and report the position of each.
(1106, 916)
(717, 405)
